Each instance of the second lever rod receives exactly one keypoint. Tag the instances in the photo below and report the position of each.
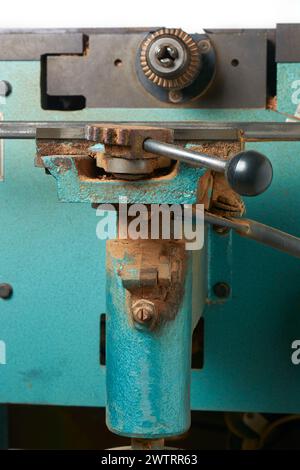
(249, 173)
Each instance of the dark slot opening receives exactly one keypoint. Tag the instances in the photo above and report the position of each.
(198, 345)
(102, 339)
(58, 103)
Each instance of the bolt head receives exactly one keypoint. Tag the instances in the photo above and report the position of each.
(204, 45)
(143, 312)
(175, 96)
(222, 290)
(143, 315)
(166, 55)
(5, 88)
(6, 291)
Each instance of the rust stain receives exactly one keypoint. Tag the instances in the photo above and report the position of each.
(152, 270)
(213, 190)
(222, 149)
(49, 147)
(272, 103)
(62, 164)
(127, 140)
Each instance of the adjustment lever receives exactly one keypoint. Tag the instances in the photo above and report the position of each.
(269, 236)
(248, 173)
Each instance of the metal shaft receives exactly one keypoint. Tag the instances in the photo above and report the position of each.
(183, 155)
(183, 131)
(259, 232)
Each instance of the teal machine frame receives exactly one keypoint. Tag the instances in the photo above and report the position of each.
(51, 256)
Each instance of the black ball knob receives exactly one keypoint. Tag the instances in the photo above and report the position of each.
(249, 173)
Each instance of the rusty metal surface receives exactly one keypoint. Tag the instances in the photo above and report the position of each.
(123, 155)
(48, 147)
(214, 191)
(154, 273)
(127, 141)
(223, 200)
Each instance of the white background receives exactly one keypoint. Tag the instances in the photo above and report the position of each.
(191, 15)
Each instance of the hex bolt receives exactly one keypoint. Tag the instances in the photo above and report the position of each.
(143, 311)
(166, 55)
(6, 291)
(5, 88)
(222, 290)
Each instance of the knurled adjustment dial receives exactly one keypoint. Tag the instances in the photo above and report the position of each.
(170, 58)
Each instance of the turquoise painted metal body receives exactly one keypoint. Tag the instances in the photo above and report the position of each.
(50, 254)
(148, 372)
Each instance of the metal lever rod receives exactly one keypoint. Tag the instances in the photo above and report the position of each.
(261, 233)
(249, 173)
(183, 155)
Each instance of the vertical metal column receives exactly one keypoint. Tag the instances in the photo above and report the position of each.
(148, 369)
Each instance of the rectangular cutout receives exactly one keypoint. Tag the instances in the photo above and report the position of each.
(102, 346)
(198, 346)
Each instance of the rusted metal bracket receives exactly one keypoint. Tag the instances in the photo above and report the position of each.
(153, 273)
(123, 154)
(126, 141)
(214, 191)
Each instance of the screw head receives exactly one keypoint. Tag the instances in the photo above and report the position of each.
(5, 88)
(204, 45)
(143, 315)
(222, 290)
(166, 54)
(143, 312)
(175, 96)
(6, 291)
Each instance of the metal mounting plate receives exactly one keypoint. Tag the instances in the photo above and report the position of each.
(106, 74)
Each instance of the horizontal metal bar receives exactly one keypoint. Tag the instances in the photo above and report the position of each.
(183, 131)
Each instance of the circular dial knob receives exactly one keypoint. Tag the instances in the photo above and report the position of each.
(170, 58)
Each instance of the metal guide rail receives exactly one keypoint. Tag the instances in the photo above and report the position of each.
(191, 131)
